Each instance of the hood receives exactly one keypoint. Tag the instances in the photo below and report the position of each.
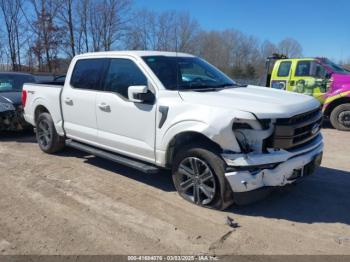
(261, 101)
(341, 78)
(340, 83)
(14, 98)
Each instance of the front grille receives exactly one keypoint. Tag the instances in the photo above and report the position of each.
(299, 118)
(296, 131)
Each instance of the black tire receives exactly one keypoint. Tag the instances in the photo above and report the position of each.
(221, 194)
(48, 139)
(340, 117)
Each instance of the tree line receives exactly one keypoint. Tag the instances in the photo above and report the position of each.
(43, 35)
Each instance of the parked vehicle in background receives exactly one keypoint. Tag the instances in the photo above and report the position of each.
(318, 77)
(11, 111)
(60, 79)
(44, 77)
(223, 142)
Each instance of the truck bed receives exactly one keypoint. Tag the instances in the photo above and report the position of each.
(46, 95)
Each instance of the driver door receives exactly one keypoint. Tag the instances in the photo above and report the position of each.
(123, 126)
(309, 79)
(323, 82)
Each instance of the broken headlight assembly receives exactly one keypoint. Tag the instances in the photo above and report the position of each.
(250, 134)
(11, 118)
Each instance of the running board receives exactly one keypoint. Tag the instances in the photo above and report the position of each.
(141, 166)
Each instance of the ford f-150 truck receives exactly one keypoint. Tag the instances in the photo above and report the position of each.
(318, 77)
(223, 142)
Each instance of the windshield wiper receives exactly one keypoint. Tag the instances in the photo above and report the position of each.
(231, 84)
(209, 88)
(200, 88)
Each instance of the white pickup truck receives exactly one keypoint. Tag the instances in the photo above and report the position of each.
(223, 142)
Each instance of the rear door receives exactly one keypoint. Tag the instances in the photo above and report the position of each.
(78, 99)
(281, 75)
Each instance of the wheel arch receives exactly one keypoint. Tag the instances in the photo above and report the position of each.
(183, 138)
(39, 109)
(342, 100)
(40, 105)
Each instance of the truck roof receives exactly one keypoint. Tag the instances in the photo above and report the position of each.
(304, 58)
(301, 59)
(138, 53)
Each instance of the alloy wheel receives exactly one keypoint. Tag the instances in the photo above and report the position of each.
(44, 133)
(197, 182)
(344, 118)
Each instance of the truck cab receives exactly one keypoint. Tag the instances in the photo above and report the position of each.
(317, 77)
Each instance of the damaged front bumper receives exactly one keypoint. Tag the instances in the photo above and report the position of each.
(248, 172)
(12, 120)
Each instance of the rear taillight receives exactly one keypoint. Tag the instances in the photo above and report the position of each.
(24, 98)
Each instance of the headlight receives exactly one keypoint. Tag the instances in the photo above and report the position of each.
(6, 107)
(261, 124)
(250, 134)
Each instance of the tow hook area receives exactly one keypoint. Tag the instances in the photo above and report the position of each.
(283, 173)
(267, 185)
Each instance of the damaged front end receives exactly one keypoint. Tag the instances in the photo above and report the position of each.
(11, 118)
(274, 152)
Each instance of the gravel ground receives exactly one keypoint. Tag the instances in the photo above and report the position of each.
(73, 203)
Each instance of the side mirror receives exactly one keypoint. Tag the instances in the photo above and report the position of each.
(140, 94)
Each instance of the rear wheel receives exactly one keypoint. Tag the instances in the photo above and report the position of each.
(340, 117)
(199, 177)
(48, 139)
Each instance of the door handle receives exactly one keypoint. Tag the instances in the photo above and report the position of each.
(68, 101)
(104, 107)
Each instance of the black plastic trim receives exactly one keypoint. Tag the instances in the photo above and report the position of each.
(164, 111)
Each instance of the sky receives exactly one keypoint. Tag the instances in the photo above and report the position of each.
(322, 27)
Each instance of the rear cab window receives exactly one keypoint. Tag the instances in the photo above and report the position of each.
(88, 73)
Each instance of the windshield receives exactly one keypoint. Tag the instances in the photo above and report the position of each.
(334, 67)
(187, 73)
(13, 82)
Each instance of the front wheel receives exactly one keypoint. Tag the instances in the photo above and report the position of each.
(48, 139)
(340, 117)
(199, 177)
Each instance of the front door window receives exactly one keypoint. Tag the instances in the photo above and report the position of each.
(310, 78)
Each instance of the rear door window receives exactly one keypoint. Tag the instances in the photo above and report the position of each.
(87, 73)
(284, 69)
